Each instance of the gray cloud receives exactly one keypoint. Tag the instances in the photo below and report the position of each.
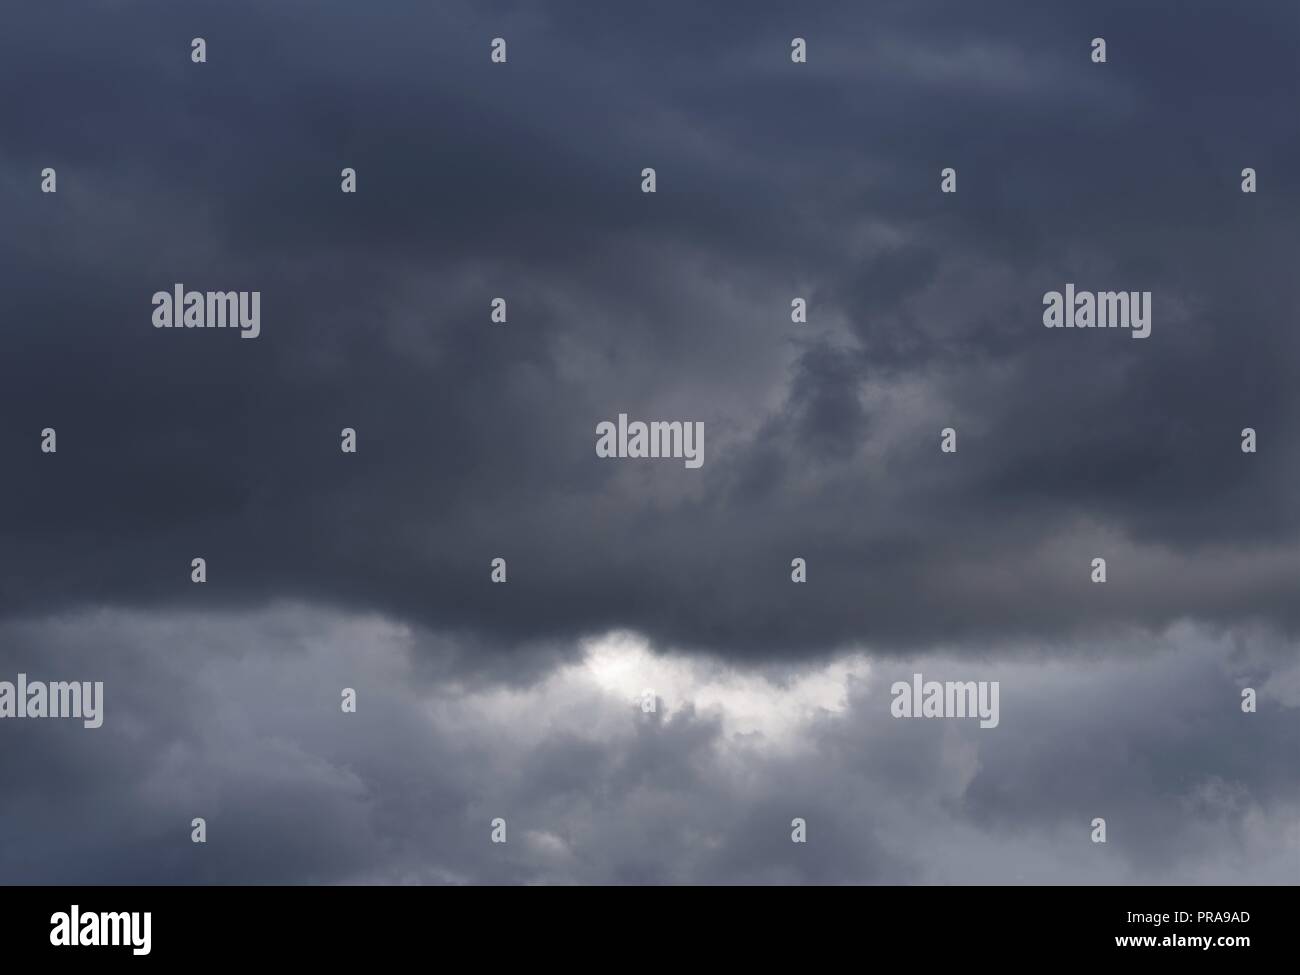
(235, 718)
(477, 442)
(776, 181)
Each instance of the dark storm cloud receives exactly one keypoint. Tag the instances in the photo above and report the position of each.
(521, 181)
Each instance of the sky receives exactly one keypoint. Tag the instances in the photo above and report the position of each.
(524, 701)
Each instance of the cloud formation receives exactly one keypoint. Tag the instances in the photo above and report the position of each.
(235, 717)
(476, 441)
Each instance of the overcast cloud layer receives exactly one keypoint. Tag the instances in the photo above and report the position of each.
(775, 180)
